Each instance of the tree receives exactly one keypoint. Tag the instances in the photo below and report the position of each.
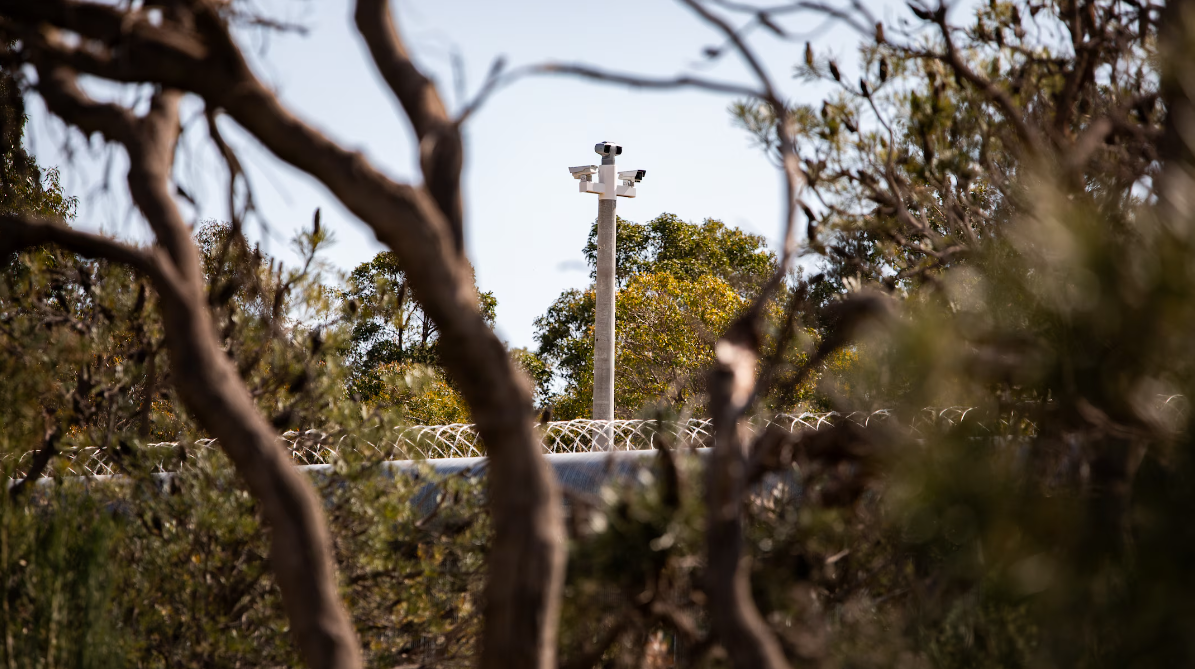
(55, 578)
(82, 563)
(687, 251)
(1003, 193)
(393, 345)
(680, 284)
(193, 49)
(972, 207)
(389, 325)
(912, 167)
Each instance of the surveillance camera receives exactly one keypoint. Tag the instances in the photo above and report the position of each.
(632, 175)
(607, 149)
(583, 172)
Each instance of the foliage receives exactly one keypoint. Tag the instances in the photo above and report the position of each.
(420, 392)
(1032, 281)
(687, 251)
(52, 566)
(633, 568)
(57, 582)
(910, 169)
(565, 338)
(87, 567)
(666, 336)
(1067, 330)
(680, 284)
(83, 343)
(537, 370)
(220, 605)
(412, 550)
(25, 186)
(72, 330)
(392, 344)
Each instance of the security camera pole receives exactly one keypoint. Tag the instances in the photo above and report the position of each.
(607, 191)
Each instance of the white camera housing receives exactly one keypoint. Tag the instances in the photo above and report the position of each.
(632, 175)
(584, 172)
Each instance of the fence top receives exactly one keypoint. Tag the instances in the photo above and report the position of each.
(461, 440)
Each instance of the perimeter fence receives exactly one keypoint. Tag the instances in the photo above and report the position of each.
(461, 440)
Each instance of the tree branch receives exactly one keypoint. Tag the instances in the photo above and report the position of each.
(1031, 140)
(636, 81)
(417, 94)
(59, 87)
(22, 231)
(40, 460)
(441, 153)
(734, 616)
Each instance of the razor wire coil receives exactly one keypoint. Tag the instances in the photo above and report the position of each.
(461, 440)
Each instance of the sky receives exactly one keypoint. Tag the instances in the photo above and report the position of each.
(526, 224)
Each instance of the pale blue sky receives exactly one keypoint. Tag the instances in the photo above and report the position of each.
(525, 221)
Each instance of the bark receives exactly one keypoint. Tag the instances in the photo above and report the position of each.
(735, 618)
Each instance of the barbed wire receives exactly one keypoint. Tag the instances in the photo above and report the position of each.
(461, 440)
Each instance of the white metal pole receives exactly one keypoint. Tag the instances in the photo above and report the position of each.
(603, 349)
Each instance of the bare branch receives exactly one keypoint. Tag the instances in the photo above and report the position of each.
(418, 95)
(235, 171)
(787, 148)
(22, 231)
(493, 81)
(636, 81)
(829, 10)
(60, 89)
(441, 153)
(753, 62)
